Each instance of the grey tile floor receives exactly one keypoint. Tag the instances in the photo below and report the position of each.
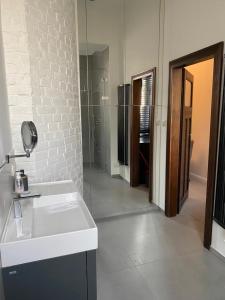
(151, 257)
(107, 196)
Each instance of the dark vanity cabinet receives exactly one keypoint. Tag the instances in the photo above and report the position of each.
(123, 121)
(71, 277)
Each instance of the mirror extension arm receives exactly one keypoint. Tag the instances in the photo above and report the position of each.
(8, 157)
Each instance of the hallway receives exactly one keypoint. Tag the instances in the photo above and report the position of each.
(194, 207)
(152, 257)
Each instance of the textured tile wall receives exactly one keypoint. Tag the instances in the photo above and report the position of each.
(17, 61)
(6, 184)
(101, 112)
(54, 73)
(50, 93)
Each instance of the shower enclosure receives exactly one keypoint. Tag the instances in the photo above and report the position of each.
(106, 109)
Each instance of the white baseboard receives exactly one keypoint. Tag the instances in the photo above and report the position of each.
(198, 178)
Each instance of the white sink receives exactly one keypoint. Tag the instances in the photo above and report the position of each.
(51, 226)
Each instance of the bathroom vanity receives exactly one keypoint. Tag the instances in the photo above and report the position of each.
(50, 253)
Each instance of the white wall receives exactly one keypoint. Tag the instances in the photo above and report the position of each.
(218, 239)
(201, 113)
(141, 36)
(40, 45)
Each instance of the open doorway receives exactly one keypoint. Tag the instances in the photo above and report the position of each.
(198, 100)
(180, 144)
(142, 130)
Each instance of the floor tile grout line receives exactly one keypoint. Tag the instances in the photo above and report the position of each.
(126, 215)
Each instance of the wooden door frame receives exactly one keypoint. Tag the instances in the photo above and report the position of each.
(173, 131)
(133, 137)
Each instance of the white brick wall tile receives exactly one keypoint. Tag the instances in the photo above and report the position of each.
(42, 77)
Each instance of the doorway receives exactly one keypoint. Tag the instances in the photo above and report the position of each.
(179, 133)
(142, 130)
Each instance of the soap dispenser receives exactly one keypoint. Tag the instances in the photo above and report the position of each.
(19, 187)
(25, 181)
(21, 182)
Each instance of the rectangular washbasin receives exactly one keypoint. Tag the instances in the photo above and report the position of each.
(51, 226)
(58, 214)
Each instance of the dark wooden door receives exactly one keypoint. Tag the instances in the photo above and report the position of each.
(219, 211)
(186, 122)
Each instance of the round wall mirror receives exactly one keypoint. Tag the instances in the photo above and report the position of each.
(29, 136)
